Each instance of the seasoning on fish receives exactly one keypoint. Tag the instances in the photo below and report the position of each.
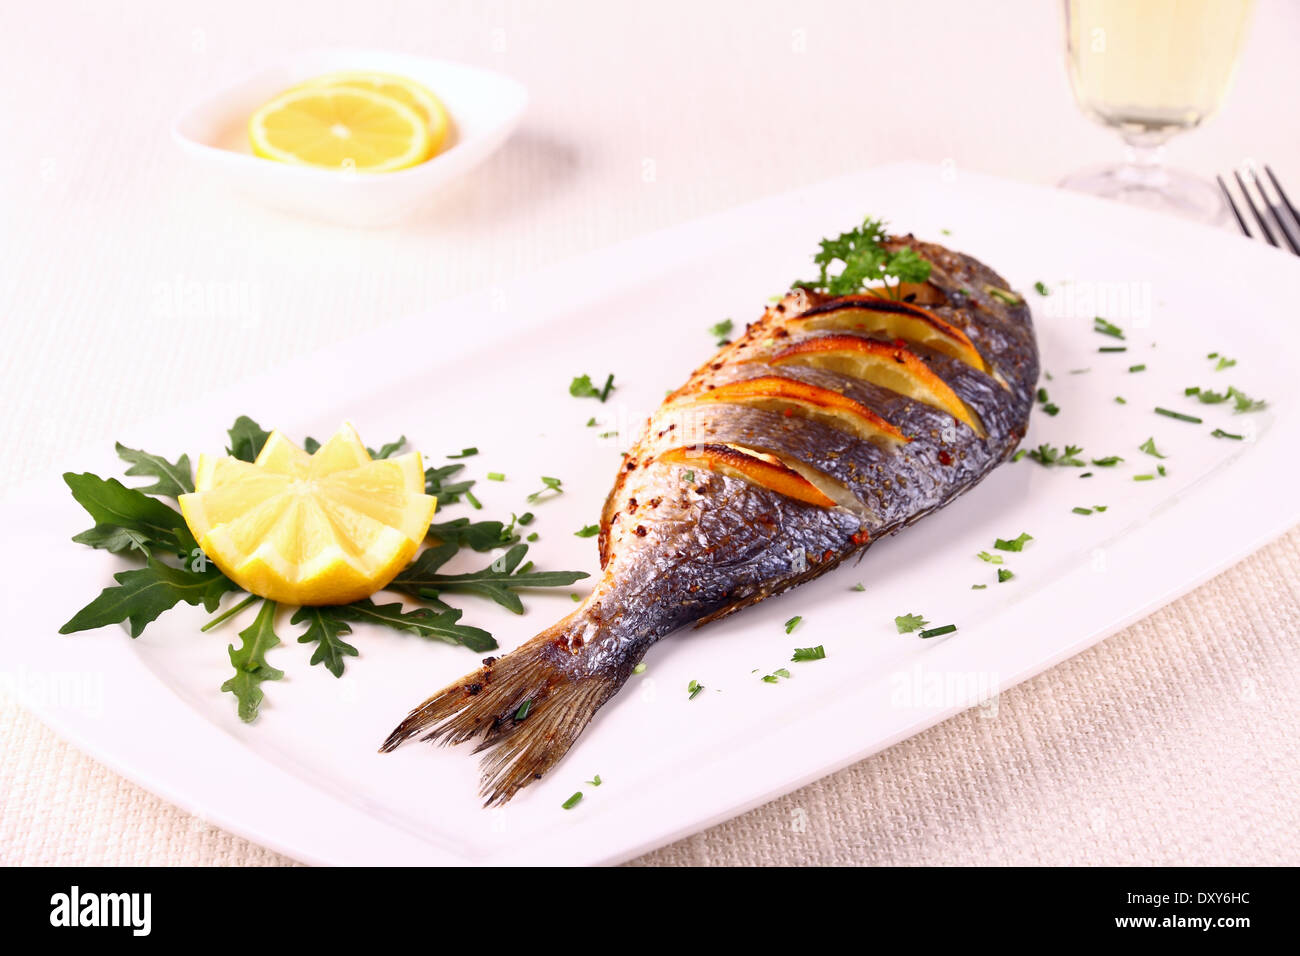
(828, 423)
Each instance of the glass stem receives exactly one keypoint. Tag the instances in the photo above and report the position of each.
(1144, 160)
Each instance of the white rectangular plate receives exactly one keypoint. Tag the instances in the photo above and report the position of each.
(493, 372)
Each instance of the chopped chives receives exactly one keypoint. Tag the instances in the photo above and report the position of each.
(496, 476)
(1082, 511)
(573, 801)
(1137, 368)
(694, 688)
(523, 710)
(1113, 348)
(465, 453)
(1178, 415)
(791, 624)
(939, 631)
(1003, 575)
(469, 496)
(1220, 433)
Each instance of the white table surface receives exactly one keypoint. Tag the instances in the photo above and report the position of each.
(1174, 741)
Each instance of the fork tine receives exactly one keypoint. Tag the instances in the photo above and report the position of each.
(1288, 228)
(1233, 206)
(1279, 216)
(1282, 193)
(1259, 218)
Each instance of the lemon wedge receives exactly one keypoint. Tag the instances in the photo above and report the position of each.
(340, 127)
(404, 90)
(327, 528)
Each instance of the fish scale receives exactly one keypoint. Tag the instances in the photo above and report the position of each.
(712, 509)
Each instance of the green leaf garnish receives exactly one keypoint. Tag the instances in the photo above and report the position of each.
(173, 480)
(1003, 575)
(497, 582)
(791, 624)
(246, 439)
(1042, 289)
(693, 689)
(142, 594)
(441, 625)
(906, 623)
(582, 387)
(126, 518)
(587, 531)
(548, 484)
(1108, 462)
(1014, 544)
(989, 558)
(1149, 446)
(809, 653)
(249, 660)
(721, 331)
(865, 260)
(388, 450)
(479, 535)
(325, 628)
(1048, 455)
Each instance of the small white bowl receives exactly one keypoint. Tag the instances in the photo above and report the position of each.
(484, 108)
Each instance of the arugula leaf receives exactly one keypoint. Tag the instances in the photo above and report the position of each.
(246, 438)
(142, 594)
(125, 517)
(173, 480)
(865, 260)
(325, 628)
(438, 625)
(114, 539)
(251, 668)
(906, 623)
(447, 494)
(310, 445)
(496, 582)
(479, 535)
(388, 450)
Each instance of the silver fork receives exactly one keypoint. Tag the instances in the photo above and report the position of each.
(1286, 220)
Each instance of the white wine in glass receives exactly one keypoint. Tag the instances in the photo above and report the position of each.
(1150, 69)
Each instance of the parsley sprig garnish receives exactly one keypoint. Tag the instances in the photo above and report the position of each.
(865, 260)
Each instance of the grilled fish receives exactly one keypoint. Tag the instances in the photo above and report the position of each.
(830, 422)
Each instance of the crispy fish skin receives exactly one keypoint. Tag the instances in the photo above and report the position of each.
(706, 515)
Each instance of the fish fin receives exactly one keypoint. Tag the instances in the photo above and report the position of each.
(488, 703)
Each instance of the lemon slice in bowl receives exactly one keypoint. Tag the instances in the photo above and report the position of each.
(340, 127)
(327, 528)
(400, 88)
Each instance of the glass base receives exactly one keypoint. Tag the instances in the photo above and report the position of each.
(1158, 188)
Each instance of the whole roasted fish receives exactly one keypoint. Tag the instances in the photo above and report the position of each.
(830, 422)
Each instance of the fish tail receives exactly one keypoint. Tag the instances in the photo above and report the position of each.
(528, 707)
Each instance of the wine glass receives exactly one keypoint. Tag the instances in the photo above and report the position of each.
(1149, 69)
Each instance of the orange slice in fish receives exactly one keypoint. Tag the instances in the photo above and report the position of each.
(890, 366)
(806, 401)
(898, 320)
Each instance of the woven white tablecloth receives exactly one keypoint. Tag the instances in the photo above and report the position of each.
(1172, 742)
